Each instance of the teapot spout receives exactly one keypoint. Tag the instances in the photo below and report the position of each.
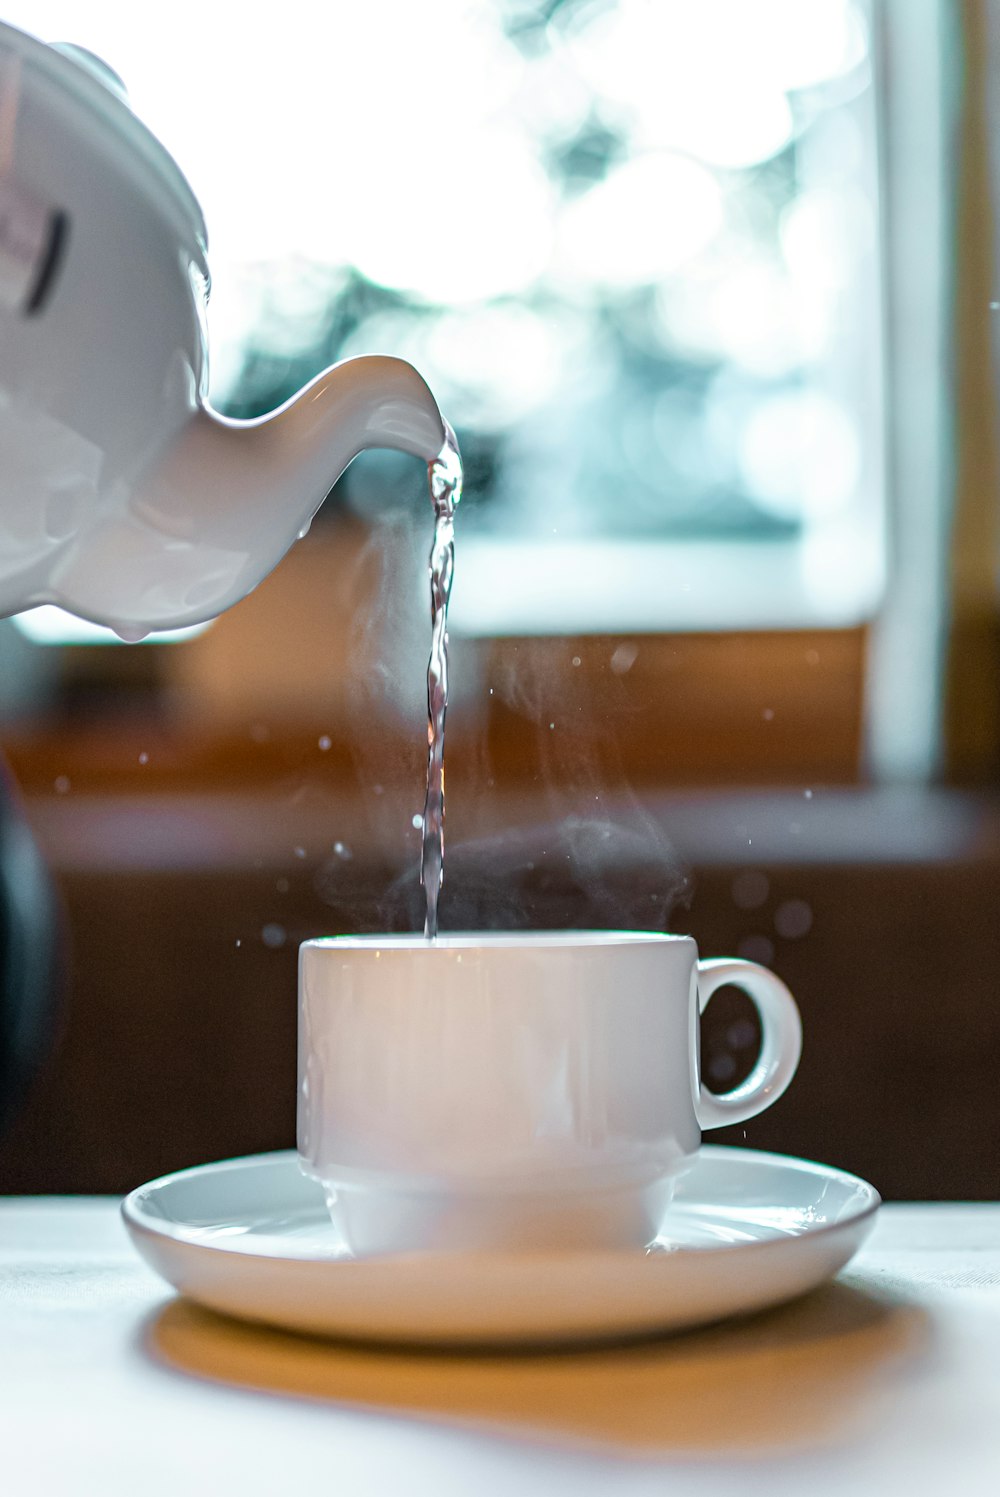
(227, 499)
(305, 445)
(248, 489)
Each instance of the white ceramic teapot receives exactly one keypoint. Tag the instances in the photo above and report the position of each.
(123, 496)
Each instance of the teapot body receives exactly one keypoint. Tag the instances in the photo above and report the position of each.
(102, 342)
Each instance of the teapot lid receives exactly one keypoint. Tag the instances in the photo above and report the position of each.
(88, 79)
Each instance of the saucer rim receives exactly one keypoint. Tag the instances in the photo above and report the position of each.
(138, 1220)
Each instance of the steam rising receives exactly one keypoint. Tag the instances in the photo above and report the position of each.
(577, 874)
(387, 685)
(594, 859)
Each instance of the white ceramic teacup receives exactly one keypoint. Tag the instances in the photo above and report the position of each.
(525, 1090)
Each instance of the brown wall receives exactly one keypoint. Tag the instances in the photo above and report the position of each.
(179, 1037)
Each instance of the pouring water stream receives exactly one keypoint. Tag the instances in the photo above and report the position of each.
(444, 477)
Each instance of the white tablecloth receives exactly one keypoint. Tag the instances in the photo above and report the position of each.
(885, 1382)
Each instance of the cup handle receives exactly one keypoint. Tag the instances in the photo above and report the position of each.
(780, 1047)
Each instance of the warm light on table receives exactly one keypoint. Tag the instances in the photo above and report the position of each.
(887, 1381)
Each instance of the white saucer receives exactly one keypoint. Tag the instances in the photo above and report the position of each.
(251, 1237)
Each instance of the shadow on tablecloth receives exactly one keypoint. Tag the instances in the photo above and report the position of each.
(814, 1372)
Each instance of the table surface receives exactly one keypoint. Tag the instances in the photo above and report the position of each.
(887, 1381)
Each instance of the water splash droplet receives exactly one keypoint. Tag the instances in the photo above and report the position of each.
(793, 919)
(741, 1034)
(722, 1068)
(756, 948)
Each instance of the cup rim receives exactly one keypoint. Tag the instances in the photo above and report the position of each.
(493, 940)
